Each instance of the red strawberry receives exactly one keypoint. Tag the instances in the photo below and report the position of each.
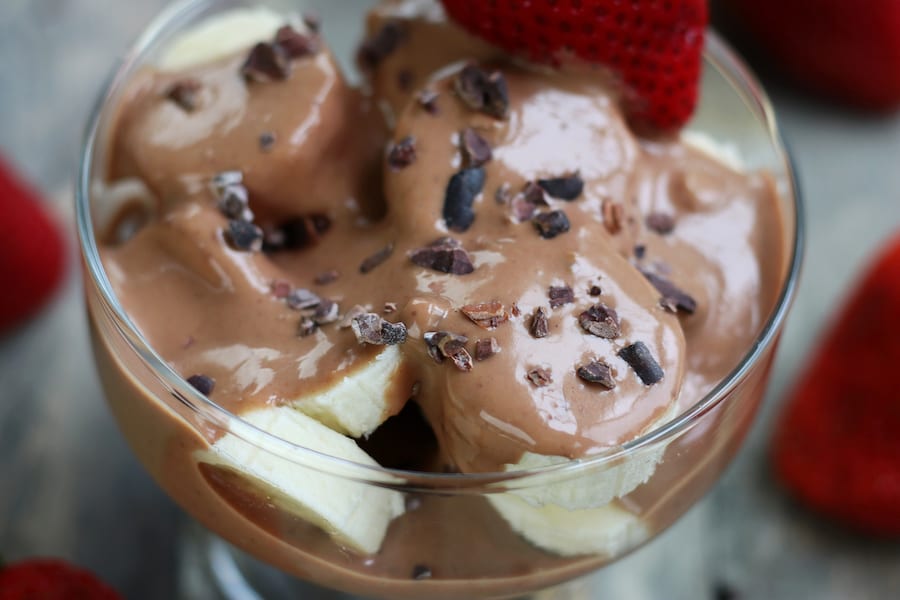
(837, 447)
(845, 49)
(654, 46)
(32, 257)
(51, 579)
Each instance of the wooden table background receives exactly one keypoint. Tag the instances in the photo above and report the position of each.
(70, 487)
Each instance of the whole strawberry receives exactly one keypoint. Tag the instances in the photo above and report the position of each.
(844, 49)
(51, 579)
(837, 447)
(32, 256)
(653, 46)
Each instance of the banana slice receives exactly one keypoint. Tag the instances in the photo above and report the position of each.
(121, 207)
(605, 530)
(593, 489)
(359, 402)
(221, 36)
(724, 152)
(354, 514)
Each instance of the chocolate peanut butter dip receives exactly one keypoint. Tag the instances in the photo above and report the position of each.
(549, 283)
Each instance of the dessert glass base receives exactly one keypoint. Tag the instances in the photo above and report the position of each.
(212, 569)
(459, 534)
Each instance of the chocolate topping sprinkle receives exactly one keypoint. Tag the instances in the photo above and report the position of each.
(202, 383)
(327, 311)
(551, 224)
(597, 372)
(642, 362)
(462, 189)
(402, 154)
(487, 315)
(376, 259)
(327, 277)
(302, 299)
(381, 45)
(266, 62)
(244, 236)
(640, 251)
(482, 91)
(306, 327)
(560, 295)
(393, 333)
(431, 339)
(613, 216)
(427, 99)
(661, 223)
(462, 360)
(443, 344)
(600, 320)
(234, 201)
(294, 44)
(522, 210)
(223, 179)
(421, 572)
(475, 149)
(445, 255)
(595, 290)
(534, 193)
(539, 377)
(266, 141)
(370, 328)
(540, 323)
(673, 298)
(566, 188)
(184, 94)
(486, 348)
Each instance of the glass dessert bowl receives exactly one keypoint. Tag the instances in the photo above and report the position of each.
(301, 490)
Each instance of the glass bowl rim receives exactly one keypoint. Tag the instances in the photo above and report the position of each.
(717, 54)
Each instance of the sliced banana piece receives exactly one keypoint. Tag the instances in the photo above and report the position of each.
(360, 401)
(121, 207)
(221, 36)
(354, 514)
(605, 530)
(596, 487)
(724, 152)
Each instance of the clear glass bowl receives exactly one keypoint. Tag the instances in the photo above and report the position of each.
(167, 422)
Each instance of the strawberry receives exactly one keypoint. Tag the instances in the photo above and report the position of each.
(653, 46)
(32, 257)
(837, 447)
(51, 579)
(844, 49)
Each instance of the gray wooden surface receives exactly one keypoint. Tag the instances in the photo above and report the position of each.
(69, 486)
